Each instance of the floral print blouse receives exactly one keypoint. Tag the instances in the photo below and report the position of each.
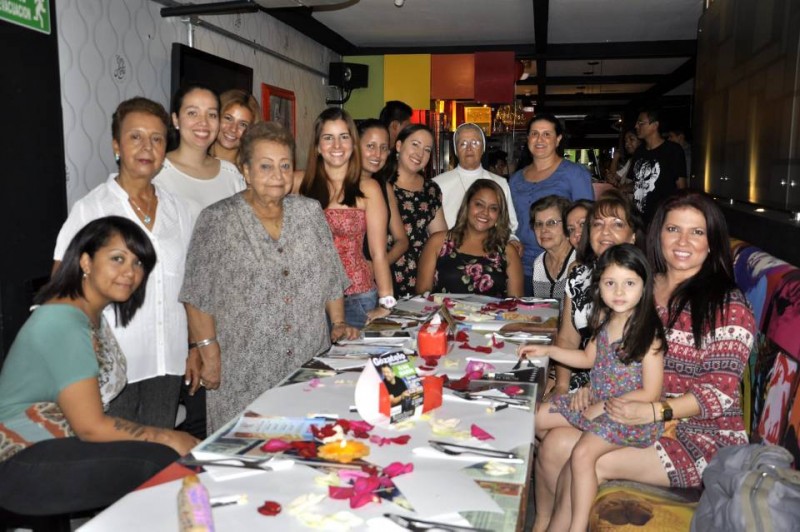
(459, 273)
(417, 209)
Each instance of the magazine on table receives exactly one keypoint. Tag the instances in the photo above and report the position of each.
(403, 385)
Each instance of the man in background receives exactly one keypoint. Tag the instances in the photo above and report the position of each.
(395, 115)
(659, 167)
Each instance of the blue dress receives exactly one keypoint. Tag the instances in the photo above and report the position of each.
(570, 180)
(610, 378)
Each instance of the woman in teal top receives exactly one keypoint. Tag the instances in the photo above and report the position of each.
(59, 451)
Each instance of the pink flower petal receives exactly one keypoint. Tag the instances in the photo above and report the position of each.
(479, 433)
(276, 446)
(362, 499)
(513, 390)
(395, 469)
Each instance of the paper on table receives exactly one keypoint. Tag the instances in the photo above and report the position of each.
(331, 395)
(440, 492)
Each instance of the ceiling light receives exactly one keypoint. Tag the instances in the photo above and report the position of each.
(399, 3)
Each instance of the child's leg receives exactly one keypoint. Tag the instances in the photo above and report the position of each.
(584, 477)
(546, 420)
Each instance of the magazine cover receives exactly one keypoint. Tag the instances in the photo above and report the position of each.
(403, 385)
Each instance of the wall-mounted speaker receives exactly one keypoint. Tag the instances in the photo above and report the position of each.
(348, 75)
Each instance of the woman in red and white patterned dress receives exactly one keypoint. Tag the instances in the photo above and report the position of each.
(710, 331)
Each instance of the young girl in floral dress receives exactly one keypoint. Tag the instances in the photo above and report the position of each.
(625, 354)
(475, 256)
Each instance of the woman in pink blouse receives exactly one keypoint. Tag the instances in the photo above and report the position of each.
(355, 209)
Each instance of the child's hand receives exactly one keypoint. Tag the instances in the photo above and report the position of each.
(525, 351)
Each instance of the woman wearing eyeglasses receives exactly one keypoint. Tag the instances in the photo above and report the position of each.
(550, 268)
(475, 256)
(548, 174)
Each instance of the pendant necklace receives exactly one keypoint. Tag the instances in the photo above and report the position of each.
(145, 217)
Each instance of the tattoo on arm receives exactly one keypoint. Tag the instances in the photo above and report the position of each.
(134, 429)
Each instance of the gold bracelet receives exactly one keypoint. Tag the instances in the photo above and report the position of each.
(336, 324)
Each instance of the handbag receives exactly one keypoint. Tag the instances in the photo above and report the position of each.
(749, 488)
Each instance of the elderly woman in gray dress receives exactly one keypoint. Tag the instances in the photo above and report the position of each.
(261, 273)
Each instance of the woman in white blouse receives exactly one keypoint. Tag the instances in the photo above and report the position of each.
(189, 171)
(155, 341)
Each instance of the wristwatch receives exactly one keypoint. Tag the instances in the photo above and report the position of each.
(387, 302)
(666, 412)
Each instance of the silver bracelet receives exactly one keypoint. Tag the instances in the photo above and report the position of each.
(202, 343)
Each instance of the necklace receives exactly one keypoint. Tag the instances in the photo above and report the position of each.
(145, 217)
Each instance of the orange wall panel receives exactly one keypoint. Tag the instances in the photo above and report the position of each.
(453, 77)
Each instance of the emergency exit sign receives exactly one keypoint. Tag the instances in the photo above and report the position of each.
(31, 14)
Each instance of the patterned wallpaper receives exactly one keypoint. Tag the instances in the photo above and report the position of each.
(111, 51)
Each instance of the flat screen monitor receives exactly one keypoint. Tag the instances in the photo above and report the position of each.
(190, 65)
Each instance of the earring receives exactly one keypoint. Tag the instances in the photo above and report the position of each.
(116, 157)
(85, 275)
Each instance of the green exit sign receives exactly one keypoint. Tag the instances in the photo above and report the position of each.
(32, 14)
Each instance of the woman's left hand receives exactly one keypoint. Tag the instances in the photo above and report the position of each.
(377, 313)
(629, 412)
(342, 331)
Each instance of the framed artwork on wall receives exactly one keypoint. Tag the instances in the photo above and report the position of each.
(279, 105)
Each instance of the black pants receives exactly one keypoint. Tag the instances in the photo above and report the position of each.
(68, 475)
(195, 422)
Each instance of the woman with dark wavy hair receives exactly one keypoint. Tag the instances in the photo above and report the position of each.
(710, 330)
(419, 200)
(474, 256)
(63, 370)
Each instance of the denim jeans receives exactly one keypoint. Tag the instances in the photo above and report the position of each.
(356, 307)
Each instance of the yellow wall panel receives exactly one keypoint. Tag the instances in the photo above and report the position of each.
(408, 78)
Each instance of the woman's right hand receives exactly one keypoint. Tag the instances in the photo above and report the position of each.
(524, 351)
(581, 399)
(181, 442)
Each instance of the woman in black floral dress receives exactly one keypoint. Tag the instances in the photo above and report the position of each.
(474, 257)
(419, 200)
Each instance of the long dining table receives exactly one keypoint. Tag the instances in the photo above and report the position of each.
(451, 488)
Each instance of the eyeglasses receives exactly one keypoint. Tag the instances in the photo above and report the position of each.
(475, 143)
(550, 224)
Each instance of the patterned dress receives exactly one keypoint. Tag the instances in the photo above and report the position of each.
(417, 209)
(610, 378)
(459, 273)
(713, 374)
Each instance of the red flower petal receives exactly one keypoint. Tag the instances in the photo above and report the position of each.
(513, 390)
(270, 508)
(340, 492)
(395, 469)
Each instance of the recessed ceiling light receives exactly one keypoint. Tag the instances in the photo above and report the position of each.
(399, 3)
(760, 209)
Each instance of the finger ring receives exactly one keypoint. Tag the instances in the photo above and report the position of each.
(202, 383)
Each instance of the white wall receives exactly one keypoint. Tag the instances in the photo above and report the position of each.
(111, 51)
